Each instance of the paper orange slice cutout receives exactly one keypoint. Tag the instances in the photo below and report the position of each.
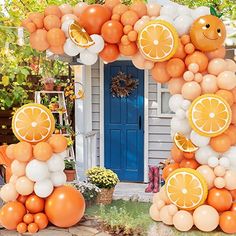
(184, 144)
(186, 188)
(158, 40)
(33, 123)
(209, 115)
(79, 35)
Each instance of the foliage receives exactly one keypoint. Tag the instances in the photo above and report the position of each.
(69, 164)
(89, 190)
(102, 177)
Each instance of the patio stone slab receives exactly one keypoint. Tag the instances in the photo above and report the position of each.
(83, 231)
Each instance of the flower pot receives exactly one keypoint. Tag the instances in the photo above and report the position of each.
(70, 175)
(49, 87)
(105, 196)
(58, 88)
(54, 106)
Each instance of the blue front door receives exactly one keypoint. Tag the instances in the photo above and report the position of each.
(124, 125)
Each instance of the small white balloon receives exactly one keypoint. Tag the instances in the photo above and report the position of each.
(88, 58)
(213, 162)
(169, 10)
(58, 178)
(199, 140)
(37, 170)
(72, 49)
(180, 125)
(186, 104)
(166, 18)
(65, 26)
(56, 163)
(182, 24)
(175, 102)
(63, 155)
(98, 44)
(204, 153)
(180, 114)
(183, 10)
(231, 154)
(224, 162)
(200, 11)
(43, 188)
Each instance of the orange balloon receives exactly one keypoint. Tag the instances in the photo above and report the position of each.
(111, 3)
(129, 18)
(25, 22)
(180, 53)
(175, 67)
(189, 48)
(218, 53)
(42, 151)
(22, 199)
(169, 169)
(31, 27)
(128, 50)
(93, 17)
(112, 31)
(11, 214)
(57, 50)
(21, 228)
(233, 109)
(189, 155)
(208, 33)
(139, 7)
(34, 204)
(227, 95)
(33, 228)
(127, 29)
(233, 207)
(28, 218)
(58, 143)
(231, 132)
(198, 58)
(233, 194)
(176, 154)
(220, 143)
(120, 9)
(56, 37)
(23, 151)
(37, 19)
(52, 21)
(159, 72)
(53, 10)
(125, 40)
(189, 163)
(115, 17)
(41, 220)
(65, 206)
(220, 199)
(175, 85)
(109, 53)
(10, 151)
(185, 39)
(132, 35)
(227, 222)
(38, 40)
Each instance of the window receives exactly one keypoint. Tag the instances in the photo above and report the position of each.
(163, 97)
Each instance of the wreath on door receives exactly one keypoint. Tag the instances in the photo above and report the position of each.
(122, 85)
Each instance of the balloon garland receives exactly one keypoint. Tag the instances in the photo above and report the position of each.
(184, 48)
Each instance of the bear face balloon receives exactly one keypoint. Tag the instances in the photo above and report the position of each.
(208, 33)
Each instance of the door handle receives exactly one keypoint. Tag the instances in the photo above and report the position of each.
(140, 122)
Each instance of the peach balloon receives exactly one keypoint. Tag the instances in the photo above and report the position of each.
(57, 50)
(199, 58)
(10, 151)
(42, 151)
(208, 175)
(209, 84)
(56, 37)
(129, 18)
(69, 17)
(23, 151)
(111, 3)
(165, 216)
(191, 90)
(175, 67)
(219, 182)
(216, 66)
(220, 143)
(160, 204)
(154, 212)
(138, 60)
(140, 24)
(175, 85)
(233, 109)
(38, 40)
(219, 171)
(231, 132)
(37, 19)
(128, 50)
(163, 195)
(120, 9)
(193, 67)
(227, 95)
(230, 177)
(180, 53)
(183, 221)
(139, 7)
(53, 10)
(189, 48)
(31, 27)
(230, 65)
(79, 8)
(58, 143)
(24, 186)
(156, 197)
(188, 76)
(148, 65)
(18, 168)
(198, 77)
(153, 9)
(173, 209)
(8, 192)
(226, 80)
(234, 94)
(218, 53)
(52, 21)
(159, 72)
(13, 179)
(66, 9)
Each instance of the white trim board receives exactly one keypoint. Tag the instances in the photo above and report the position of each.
(145, 154)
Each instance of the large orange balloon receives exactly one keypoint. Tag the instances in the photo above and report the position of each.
(231, 132)
(198, 58)
(23, 151)
(11, 214)
(227, 95)
(56, 37)
(58, 143)
(51, 21)
(176, 154)
(233, 207)
(38, 40)
(220, 199)
(37, 19)
(112, 31)
(139, 7)
(175, 67)
(220, 143)
(168, 169)
(228, 222)
(109, 53)
(208, 33)
(233, 194)
(57, 50)
(93, 17)
(189, 163)
(65, 206)
(41, 220)
(180, 53)
(34, 204)
(42, 151)
(159, 72)
(128, 50)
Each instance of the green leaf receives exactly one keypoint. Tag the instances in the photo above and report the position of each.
(5, 80)
(20, 78)
(213, 11)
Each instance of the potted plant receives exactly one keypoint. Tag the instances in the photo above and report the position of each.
(106, 180)
(48, 83)
(70, 170)
(54, 104)
(59, 84)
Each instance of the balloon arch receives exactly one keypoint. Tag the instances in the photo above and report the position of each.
(182, 47)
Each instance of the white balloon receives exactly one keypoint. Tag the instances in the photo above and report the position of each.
(186, 104)
(231, 155)
(182, 24)
(37, 170)
(43, 188)
(176, 102)
(204, 153)
(72, 49)
(169, 10)
(183, 10)
(200, 11)
(224, 162)
(166, 18)
(88, 58)
(65, 26)
(58, 178)
(199, 140)
(99, 44)
(63, 155)
(180, 125)
(213, 161)
(180, 114)
(56, 163)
